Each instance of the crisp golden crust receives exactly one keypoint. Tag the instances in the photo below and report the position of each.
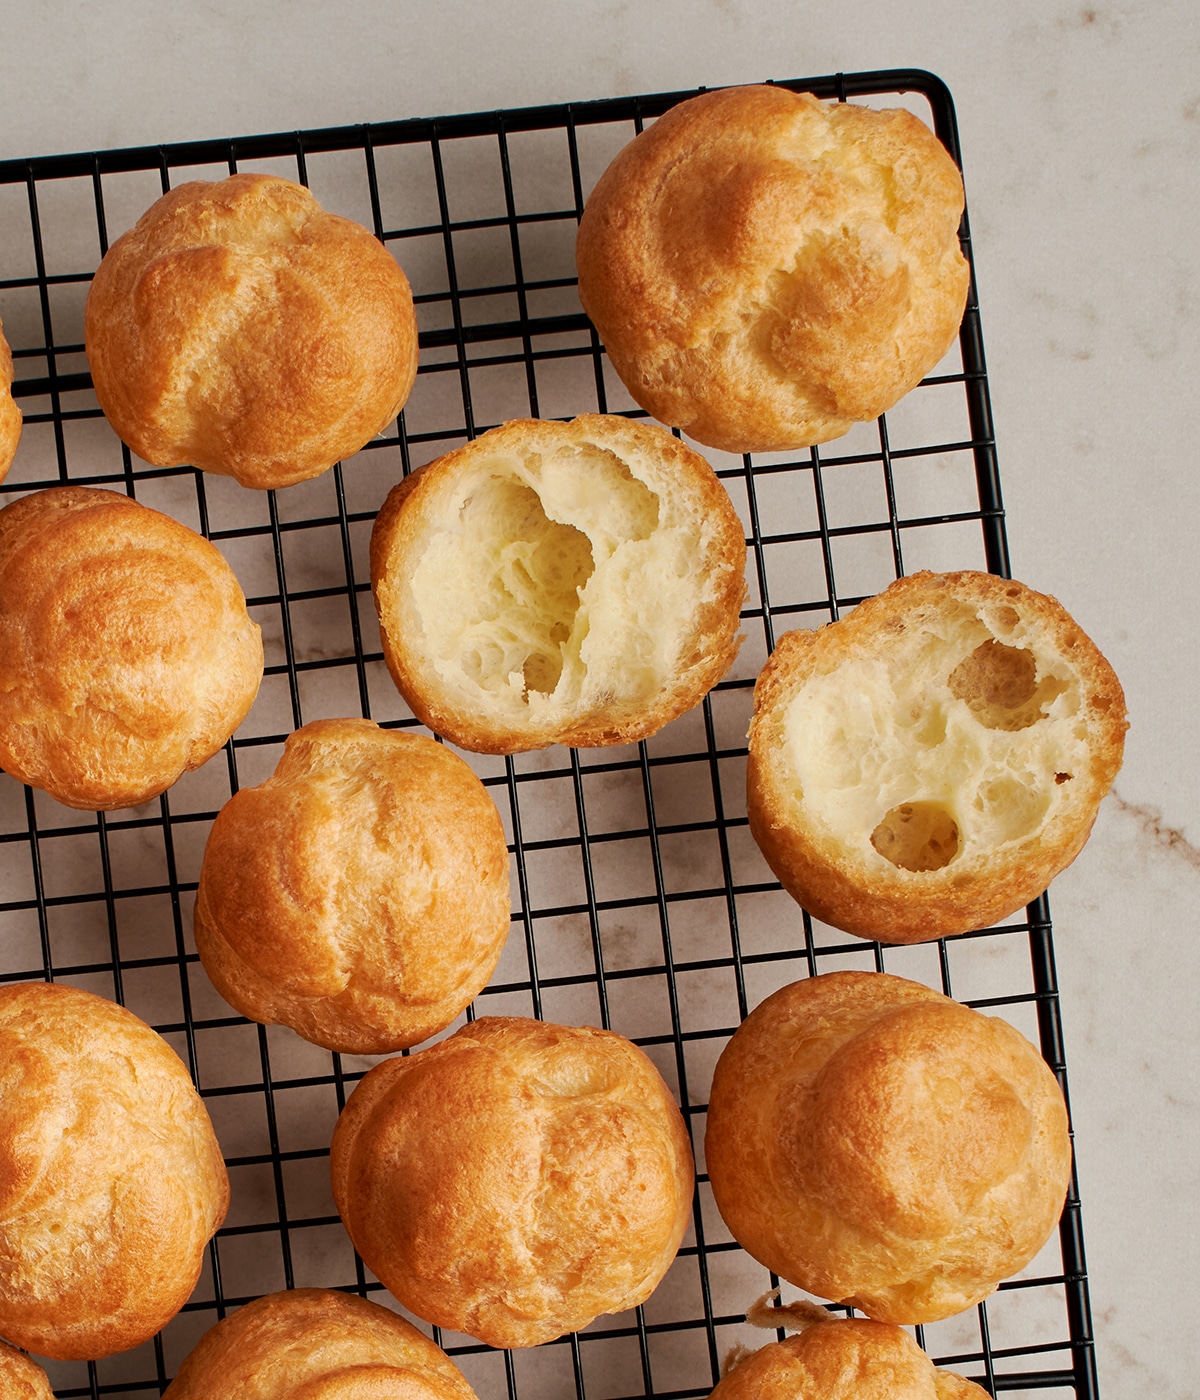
(875, 1143)
(360, 895)
(516, 1180)
(111, 1179)
(314, 1344)
(241, 328)
(577, 583)
(765, 269)
(127, 656)
(928, 764)
(21, 1378)
(10, 414)
(844, 1359)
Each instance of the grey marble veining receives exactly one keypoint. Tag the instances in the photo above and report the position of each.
(1080, 126)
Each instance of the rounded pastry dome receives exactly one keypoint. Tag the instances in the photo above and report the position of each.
(127, 656)
(517, 1180)
(878, 1144)
(843, 1359)
(241, 328)
(360, 895)
(107, 1154)
(765, 269)
(350, 1349)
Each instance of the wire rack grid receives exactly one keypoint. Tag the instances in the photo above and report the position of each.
(640, 900)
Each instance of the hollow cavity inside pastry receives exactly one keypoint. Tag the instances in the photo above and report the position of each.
(577, 583)
(315, 1344)
(765, 269)
(928, 764)
(878, 1144)
(360, 895)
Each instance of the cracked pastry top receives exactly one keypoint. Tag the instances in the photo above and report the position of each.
(241, 328)
(926, 765)
(111, 1179)
(127, 655)
(577, 583)
(875, 1143)
(517, 1180)
(316, 1344)
(765, 269)
(22, 1378)
(841, 1358)
(360, 895)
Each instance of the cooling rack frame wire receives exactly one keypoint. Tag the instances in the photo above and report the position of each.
(463, 340)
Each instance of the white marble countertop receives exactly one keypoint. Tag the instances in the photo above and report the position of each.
(1080, 127)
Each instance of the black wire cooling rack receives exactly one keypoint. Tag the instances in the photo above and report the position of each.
(640, 900)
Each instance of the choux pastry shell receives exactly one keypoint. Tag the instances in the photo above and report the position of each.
(576, 583)
(880, 1145)
(241, 328)
(127, 656)
(516, 1180)
(765, 269)
(360, 895)
(111, 1179)
(315, 1344)
(929, 763)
